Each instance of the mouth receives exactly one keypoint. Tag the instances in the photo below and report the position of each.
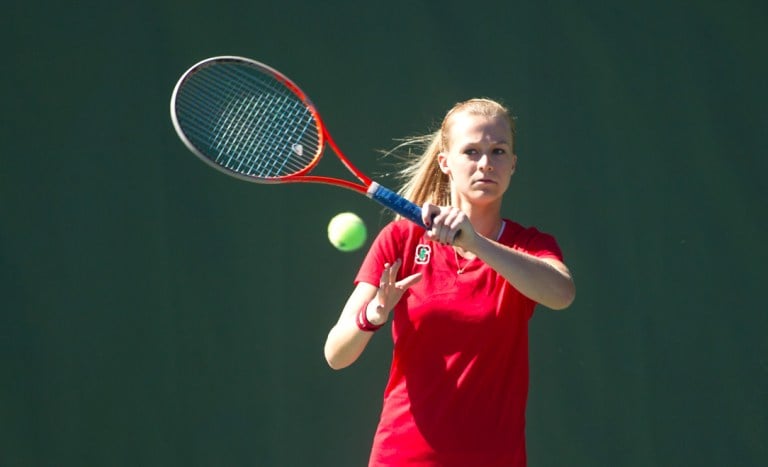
(485, 181)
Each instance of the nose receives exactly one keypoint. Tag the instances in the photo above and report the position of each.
(484, 163)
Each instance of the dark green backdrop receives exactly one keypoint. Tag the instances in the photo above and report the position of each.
(157, 313)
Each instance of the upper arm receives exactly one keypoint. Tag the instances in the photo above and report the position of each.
(566, 291)
(558, 265)
(362, 294)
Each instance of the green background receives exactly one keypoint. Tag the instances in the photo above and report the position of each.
(154, 312)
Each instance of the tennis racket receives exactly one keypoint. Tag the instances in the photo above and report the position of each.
(250, 121)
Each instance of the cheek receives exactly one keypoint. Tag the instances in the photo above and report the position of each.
(509, 168)
(462, 171)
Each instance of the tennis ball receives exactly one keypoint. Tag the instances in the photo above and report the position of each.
(347, 231)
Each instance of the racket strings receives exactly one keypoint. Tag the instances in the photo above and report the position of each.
(244, 119)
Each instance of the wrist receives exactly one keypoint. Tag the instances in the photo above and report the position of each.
(363, 323)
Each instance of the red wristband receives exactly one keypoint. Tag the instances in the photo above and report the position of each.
(363, 323)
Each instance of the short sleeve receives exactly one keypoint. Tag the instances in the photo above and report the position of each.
(544, 245)
(386, 248)
(532, 241)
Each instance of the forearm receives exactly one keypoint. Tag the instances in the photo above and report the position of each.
(346, 341)
(545, 281)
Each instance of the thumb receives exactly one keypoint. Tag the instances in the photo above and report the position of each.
(408, 281)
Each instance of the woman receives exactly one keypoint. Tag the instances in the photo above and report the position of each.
(460, 294)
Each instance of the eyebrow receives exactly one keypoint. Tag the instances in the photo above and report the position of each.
(502, 141)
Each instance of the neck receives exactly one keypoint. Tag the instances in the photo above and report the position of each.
(486, 219)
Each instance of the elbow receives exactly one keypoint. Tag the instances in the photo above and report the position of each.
(333, 364)
(333, 359)
(561, 305)
(335, 367)
(563, 298)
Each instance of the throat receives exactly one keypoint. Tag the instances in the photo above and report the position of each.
(465, 258)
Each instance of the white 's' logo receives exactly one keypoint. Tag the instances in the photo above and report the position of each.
(423, 254)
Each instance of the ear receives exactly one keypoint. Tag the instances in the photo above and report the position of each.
(514, 164)
(442, 162)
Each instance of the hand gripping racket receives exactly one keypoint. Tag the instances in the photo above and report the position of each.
(251, 122)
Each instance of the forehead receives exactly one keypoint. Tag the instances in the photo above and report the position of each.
(465, 127)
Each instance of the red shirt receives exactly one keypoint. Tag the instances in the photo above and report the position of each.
(458, 383)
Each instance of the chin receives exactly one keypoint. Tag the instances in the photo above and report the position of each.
(485, 197)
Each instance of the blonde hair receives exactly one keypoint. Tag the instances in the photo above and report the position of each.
(423, 181)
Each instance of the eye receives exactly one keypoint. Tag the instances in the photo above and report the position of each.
(470, 151)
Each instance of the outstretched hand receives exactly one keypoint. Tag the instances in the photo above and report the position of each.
(390, 292)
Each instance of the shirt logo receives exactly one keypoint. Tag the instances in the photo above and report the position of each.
(423, 254)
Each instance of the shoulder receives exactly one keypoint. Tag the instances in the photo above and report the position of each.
(401, 229)
(397, 236)
(392, 242)
(530, 240)
(404, 225)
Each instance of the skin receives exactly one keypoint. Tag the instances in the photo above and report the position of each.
(479, 162)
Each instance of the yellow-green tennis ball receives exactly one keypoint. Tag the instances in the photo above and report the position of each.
(347, 231)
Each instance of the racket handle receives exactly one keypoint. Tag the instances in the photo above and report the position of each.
(395, 202)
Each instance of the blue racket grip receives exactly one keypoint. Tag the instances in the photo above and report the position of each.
(395, 202)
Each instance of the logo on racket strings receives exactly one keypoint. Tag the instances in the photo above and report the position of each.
(298, 149)
(423, 253)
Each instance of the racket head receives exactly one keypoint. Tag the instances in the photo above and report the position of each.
(247, 119)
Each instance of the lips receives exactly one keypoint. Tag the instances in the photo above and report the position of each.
(485, 181)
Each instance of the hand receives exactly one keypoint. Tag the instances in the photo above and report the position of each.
(448, 225)
(389, 293)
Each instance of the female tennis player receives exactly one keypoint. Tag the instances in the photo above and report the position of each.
(460, 295)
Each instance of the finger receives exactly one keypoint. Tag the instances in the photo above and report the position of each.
(455, 228)
(455, 223)
(428, 213)
(409, 281)
(455, 219)
(437, 217)
(384, 280)
(395, 268)
(446, 234)
(454, 235)
(452, 222)
(392, 272)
